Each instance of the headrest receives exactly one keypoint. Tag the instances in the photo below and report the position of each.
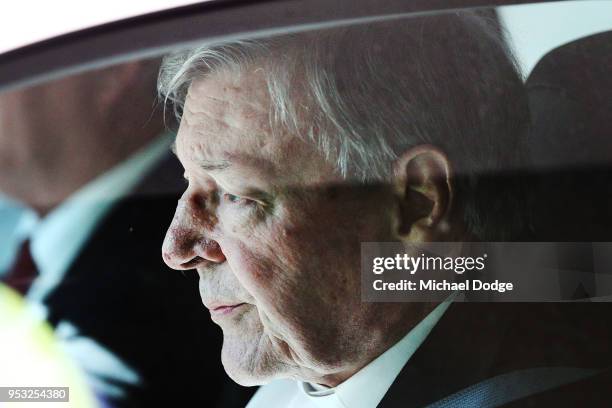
(570, 93)
(570, 97)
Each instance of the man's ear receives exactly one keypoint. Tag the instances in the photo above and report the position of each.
(423, 184)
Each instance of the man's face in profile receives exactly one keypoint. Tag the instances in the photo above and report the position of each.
(273, 234)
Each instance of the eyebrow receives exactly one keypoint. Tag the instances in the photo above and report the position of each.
(206, 165)
(212, 166)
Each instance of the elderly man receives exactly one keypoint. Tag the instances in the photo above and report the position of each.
(298, 148)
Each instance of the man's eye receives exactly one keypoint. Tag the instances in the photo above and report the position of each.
(231, 198)
(237, 199)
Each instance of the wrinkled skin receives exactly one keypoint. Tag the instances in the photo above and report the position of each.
(267, 222)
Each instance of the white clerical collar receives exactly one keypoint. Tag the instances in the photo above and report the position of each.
(316, 390)
(367, 387)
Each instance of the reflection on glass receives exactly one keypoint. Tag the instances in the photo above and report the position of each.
(87, 186)
(297, 150)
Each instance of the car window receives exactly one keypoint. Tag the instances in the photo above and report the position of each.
(400, 209)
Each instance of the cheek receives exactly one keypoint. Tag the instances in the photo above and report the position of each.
(261, 257)
(303, 244)
(300, 253)
(267, 259)
(256, 244)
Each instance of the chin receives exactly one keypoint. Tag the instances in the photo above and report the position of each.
(245, 364)
(241, 372)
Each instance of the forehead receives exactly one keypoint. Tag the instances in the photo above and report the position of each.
(227, 118)
(226, 95)
(223, 109)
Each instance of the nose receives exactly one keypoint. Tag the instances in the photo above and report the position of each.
(188, 242)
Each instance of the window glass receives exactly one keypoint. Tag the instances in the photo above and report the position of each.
(401, 212)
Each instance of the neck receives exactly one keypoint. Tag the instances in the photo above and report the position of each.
(387, 324)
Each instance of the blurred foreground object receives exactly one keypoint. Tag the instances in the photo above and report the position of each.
(30, 356)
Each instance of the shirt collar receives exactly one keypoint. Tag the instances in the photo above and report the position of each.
(367, 387)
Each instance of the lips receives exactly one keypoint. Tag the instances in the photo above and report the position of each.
(222, 309)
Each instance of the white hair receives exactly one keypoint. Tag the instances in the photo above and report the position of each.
(364, 94)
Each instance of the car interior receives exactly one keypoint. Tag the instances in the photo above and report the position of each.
(90, 178)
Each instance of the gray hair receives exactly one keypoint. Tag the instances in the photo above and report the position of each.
(366, 93)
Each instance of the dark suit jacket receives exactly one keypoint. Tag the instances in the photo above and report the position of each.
(119, 292)
(477, 341)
